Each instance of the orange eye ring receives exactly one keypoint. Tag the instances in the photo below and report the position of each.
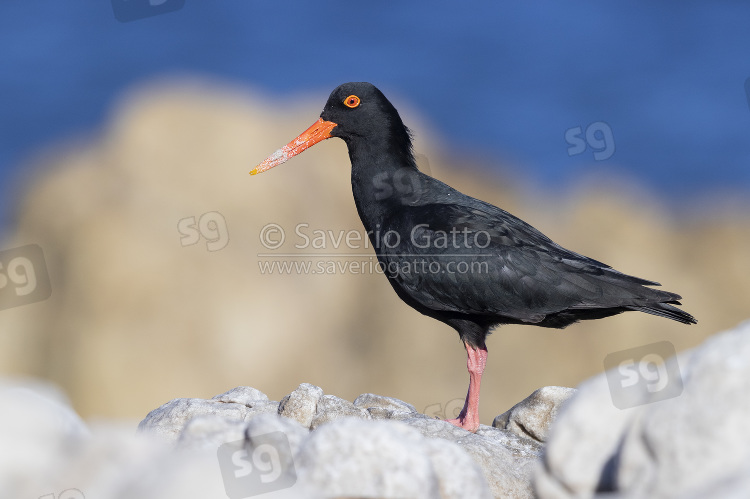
(352, 101)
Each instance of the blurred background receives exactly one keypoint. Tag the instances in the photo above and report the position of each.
(130, 232)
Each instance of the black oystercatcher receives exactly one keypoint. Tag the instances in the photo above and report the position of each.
(457, 259)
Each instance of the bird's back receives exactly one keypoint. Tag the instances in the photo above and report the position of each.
(448, 254)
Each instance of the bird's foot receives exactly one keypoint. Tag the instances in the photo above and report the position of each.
(468, 424)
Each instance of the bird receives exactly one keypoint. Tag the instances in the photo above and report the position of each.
(455, 258)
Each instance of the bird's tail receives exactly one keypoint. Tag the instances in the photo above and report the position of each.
(666, 310)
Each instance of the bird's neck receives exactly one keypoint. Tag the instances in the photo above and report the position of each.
(384, 177)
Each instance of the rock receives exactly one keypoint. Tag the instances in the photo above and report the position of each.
(242, 395)
(507, 461)
(380, 407)
(355, 458)
(456, 471)
(331, 408)
(691, 445)
(677, 447)
(502, 460)
(383, 413)
(301, 404)
(264, 459)
(36, 427)
(592, 404)
(209, 431)
(533, 416)
(169, 420)
(370, 400)
(237, 444)
(269, 423)
(48, 451)
(731, 485)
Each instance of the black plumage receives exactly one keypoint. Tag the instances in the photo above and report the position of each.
(520, 276)
(455, 258)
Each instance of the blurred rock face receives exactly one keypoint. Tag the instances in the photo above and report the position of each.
(153, 236)
(691, 445)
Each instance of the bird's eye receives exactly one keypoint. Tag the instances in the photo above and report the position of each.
(352, 101)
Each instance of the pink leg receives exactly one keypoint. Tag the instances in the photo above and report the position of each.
(468, 419)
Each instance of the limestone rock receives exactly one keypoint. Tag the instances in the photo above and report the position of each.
(332, 408)
(353, 458)
(692, 445)
(301, 404)
(47, 451)
(533, 416)
(36, 427)
(507, 461)
(242, 395)
(677, 447)
(370, 400)
(387, 459)
(241, 444)
(269, 423)
(169, 420)
(209, 431)
(383, 413)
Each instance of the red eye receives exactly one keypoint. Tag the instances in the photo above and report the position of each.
(352, 101)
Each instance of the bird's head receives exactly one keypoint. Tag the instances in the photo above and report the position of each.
(354, 110)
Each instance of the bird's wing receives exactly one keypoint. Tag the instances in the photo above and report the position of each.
(479, 259)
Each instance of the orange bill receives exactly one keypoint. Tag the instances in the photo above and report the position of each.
(320, 130)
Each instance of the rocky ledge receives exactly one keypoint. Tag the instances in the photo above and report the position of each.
(375, 446)
(673, 430)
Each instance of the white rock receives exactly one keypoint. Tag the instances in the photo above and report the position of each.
(332, 408)
(676, 447)
(507, 461)
(301, 404)
(533, 416)
(245, 395)
(210, 431)
(170, 419)
(369, 400)
(360, 458)
(36, 427)
(269, 423)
